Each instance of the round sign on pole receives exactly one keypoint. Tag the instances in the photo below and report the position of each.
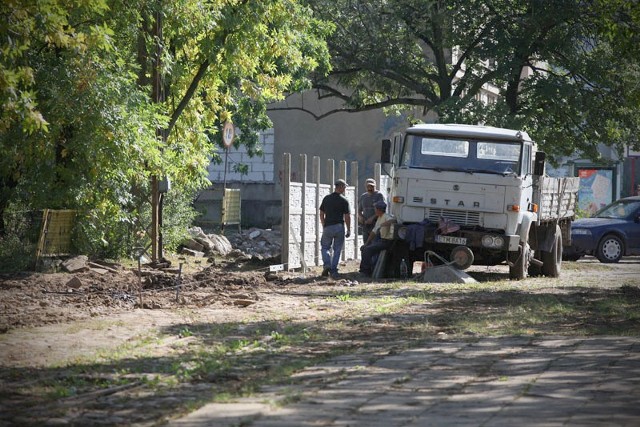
(228, 132)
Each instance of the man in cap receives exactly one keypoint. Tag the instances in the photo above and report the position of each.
(366, 212)
(335, 214)
(379, 239)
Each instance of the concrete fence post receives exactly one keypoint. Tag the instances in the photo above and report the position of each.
(286, 183)
(354, 209)
(316, 181)
(303, 216)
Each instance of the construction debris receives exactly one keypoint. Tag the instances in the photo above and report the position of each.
(207, 243)
(76, 264)
(258, 243)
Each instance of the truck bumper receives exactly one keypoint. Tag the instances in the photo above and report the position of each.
(477, 239)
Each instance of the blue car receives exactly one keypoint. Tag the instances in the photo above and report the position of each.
(610, 234)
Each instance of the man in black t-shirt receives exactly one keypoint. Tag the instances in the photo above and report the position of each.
(335, 213)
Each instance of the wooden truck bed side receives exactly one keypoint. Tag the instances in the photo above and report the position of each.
(558, 197)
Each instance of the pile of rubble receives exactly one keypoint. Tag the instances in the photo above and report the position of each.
(254, 243)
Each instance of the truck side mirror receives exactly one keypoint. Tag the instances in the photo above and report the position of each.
(538, 163)
(385, 155)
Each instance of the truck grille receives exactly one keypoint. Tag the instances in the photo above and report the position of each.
(459, 217)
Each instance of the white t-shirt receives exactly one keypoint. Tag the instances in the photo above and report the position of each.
(385, 231)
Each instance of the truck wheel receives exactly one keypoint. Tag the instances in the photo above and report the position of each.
(520, 265)
(610, 249)
(552, 260)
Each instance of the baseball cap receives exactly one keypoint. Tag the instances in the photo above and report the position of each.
(341, 182)
(380, 205)
(370, 181)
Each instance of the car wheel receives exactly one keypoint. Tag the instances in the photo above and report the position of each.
(610, 249)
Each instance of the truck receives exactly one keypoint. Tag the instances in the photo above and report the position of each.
(475, 195)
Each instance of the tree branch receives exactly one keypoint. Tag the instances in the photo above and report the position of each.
(382, 104)
(202, 70)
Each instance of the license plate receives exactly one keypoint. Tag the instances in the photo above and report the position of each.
(451, 240)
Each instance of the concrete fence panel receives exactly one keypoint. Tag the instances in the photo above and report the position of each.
(301, 228)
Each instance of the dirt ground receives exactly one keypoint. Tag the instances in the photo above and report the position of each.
(34, 307)
(39, 314)
(36, 299)
(230, 290)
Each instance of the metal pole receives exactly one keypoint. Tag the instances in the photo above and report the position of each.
(224, 188)
(179, 280)
(632, 190)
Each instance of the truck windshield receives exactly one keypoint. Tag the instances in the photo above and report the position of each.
(467, 155)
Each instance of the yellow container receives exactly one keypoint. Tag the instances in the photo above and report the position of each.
(55, 237)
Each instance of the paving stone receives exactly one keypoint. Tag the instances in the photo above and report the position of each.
(542, 381)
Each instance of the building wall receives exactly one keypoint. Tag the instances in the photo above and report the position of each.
(340, 136)
(260, 167)
(260, 203)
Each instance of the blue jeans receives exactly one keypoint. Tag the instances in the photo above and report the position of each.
(332, 236)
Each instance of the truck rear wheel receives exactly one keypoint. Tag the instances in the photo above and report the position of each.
(552, 260)
(520, 266)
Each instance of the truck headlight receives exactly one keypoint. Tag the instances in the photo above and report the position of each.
(489, 241)
(581, 232)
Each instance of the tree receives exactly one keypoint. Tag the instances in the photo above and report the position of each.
(106, 134)
(437, 55)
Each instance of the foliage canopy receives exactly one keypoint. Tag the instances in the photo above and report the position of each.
(567, 71)
(100, 95)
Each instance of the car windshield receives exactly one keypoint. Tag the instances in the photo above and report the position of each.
(620, 209)
(468, 155)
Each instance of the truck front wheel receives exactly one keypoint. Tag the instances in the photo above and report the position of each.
(520, 265)
(552, 260)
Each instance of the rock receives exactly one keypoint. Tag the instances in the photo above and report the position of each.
(221, 244)
(242, 302)
(196, 232)
(193, 244)
(75, 264)
(187, 251)
(258, 244)
(74, 283)
(102, 266)
(270, 276)
(208, 244)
